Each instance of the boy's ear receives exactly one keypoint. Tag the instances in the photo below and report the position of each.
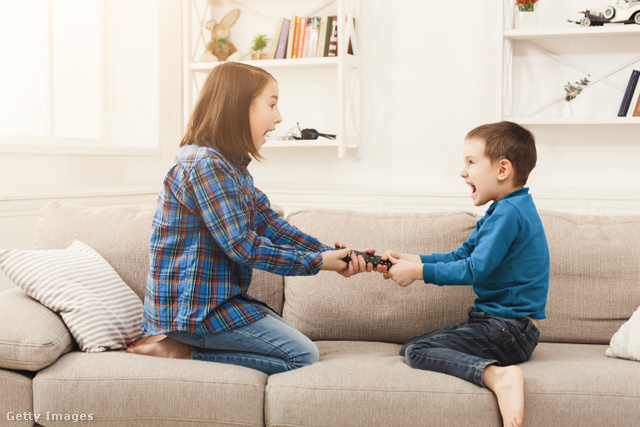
(505, 169)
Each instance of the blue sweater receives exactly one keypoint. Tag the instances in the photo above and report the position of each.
(506, 259)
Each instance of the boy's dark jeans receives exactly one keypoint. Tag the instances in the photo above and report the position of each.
(465, 349)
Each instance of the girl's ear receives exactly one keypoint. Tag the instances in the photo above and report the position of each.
(505, 169)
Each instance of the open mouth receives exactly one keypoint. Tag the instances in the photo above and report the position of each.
(473, 188)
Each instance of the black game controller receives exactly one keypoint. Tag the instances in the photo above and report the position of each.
(368, 258)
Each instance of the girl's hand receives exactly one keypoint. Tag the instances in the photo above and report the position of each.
(403, 272)
(355, 266)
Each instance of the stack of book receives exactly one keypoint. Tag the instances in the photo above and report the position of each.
(630, 106)
(305, 37)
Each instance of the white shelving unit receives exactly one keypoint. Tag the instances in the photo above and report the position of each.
(319, 93)
(566, 54)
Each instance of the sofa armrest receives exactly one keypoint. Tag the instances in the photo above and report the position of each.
(32, 337)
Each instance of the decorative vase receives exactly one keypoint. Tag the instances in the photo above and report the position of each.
(567, 110)
(527, 18)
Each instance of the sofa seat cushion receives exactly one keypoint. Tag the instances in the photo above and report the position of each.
(368, 383)
(32, 337)
(117, 388)
(16, 404)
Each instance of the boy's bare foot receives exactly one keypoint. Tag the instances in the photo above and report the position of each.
(508, 385)
(146, 340)
(162, 347)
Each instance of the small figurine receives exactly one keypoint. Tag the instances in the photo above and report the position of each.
(626, 12)
(220, 47)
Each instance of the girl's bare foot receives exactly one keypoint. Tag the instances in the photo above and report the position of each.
(146, 340)
(162, 347)
(508, 385)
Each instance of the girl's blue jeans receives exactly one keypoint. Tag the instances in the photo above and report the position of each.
(270, 345)
(465, 349)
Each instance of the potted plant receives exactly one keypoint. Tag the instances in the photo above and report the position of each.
(259, 43)
(527, 16)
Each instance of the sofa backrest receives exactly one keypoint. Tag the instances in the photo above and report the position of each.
(121, 235)
(594, 277)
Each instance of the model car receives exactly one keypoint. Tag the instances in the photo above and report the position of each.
(625, 11)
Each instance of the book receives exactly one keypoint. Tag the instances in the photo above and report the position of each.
(327, 36)
(628, 93)
(275, 40)
(322, 35)
(636, 111)
(290, 40)
(281, 51)
(634, 100)
(311, 41)
(333, 38)
(302, 30)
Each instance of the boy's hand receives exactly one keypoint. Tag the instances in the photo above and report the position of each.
(399, 257)
(403, 272)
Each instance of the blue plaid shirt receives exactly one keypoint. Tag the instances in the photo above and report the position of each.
(212, 227)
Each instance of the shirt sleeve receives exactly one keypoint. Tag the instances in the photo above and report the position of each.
(489, 245)
(225, 208)
(280, 231)
(462, 252)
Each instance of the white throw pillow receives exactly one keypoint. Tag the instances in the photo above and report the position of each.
(625, 343)
(99, 309)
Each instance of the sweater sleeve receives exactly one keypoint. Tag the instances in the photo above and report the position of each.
(488, 246)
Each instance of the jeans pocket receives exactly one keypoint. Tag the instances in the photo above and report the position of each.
(505, 349)
(527, 338)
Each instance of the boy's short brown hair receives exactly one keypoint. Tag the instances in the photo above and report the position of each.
(221, 114)
(508, 140)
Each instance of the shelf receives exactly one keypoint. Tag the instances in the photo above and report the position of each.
(325, 91)
(575, 120)
(555, 33)
(285, 143)
(566, 53)
(273, 63)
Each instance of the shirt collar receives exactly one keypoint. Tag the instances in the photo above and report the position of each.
(519, 192)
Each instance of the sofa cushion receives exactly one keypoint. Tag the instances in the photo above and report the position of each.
(120, 389)
(366, 383)
(367, 307)
(99, 309)
(120, 234)
(16, 405)
(31, 336)
(595, 276)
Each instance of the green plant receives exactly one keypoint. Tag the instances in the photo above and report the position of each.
(574, 89)
(260, 42)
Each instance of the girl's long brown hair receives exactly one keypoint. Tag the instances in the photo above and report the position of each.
(221, 114)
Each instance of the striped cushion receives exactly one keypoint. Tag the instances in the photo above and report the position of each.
(99, 309)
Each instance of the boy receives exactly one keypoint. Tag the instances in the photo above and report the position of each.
(506, 260)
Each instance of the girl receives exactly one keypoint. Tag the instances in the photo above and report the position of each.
(212, 227)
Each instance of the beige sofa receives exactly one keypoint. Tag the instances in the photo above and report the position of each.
(358, 325)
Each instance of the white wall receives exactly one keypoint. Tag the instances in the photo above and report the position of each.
(431, 74)
(428, 80)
